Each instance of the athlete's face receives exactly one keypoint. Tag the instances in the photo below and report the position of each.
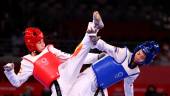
(40, 45)
(139, 56)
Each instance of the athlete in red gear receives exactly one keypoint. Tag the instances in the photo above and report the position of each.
(51, 67)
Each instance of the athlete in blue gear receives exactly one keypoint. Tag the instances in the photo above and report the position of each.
(117, 64)
(121, 64)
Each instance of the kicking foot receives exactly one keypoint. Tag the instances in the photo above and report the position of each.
(97, 20)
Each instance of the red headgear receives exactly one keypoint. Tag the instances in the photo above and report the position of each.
(32, 36)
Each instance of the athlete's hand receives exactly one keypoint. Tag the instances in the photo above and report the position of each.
(8, 66)
(94, 39)
(91, 30)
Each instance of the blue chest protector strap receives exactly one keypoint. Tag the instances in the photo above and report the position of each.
(108, 72)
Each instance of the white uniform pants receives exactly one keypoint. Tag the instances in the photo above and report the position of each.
(86, 84)
(70, 70)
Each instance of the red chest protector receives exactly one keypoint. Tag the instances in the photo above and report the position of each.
(46, 69)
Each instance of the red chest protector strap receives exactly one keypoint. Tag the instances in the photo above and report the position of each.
(46, 69)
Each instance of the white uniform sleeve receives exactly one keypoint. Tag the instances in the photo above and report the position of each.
(25, 72)
(128, 85)
(119, 54)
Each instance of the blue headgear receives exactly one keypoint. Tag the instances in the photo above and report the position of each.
(150, 48)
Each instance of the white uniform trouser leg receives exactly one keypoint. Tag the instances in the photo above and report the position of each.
(54, 93)
(71, 68)
(86, 84)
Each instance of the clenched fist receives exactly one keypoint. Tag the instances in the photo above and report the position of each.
(8, 66)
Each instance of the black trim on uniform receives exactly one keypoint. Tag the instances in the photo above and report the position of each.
(57, 87)
(99, 90)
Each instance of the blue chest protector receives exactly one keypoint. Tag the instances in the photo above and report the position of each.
(108, 72)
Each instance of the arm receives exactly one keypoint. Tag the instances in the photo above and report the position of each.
(119, 54)
(18, 79)
(128, 85)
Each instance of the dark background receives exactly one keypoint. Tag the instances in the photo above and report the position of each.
(64, 22)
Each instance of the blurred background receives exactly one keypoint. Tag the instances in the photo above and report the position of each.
(64, 22)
